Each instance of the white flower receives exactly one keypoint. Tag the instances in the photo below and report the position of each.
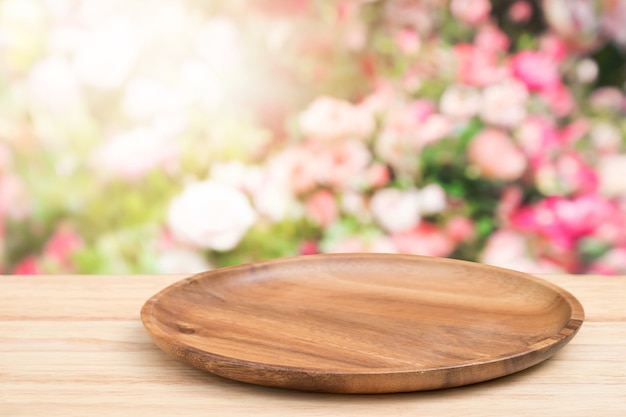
(277, 202)
(329, 118)
(396, 210)
(181, 261)
(22, 23)
(398, 149)
(504, 104)
(432, 199)
(612, 171)
(606, 137)
(117, 157)
(460, 102)
(210, 215)
(143, 98)
(354, 203)
(218, 43)
(238, 175)
(587, 71)
(52, 86)
(108, 54)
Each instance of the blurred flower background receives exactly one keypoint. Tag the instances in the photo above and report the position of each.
(173, 136)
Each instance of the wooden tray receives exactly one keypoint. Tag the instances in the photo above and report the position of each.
(362, 323)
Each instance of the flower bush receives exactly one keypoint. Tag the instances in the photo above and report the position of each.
(204, 135)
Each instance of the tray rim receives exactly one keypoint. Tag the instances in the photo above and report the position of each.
(183, 351)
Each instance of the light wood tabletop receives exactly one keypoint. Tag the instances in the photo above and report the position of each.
(75, 346)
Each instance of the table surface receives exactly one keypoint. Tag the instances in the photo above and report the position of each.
(75, 346)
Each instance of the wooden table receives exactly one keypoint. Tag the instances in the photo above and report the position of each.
(74, 346)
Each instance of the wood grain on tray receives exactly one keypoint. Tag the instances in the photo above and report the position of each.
(362, 323)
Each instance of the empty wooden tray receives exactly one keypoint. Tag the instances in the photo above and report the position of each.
(362, 323)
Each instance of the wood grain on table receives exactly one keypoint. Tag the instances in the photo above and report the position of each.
(74, 346)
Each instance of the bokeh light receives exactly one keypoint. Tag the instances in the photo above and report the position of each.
(177, 136)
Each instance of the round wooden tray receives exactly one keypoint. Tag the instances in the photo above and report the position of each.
(362, 323)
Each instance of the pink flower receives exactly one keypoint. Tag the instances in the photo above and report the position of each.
(343, 164)
(504, 248)
(396, 210)
(536, 136)
(400, 138)
(509, 203)
(355, 37)
(612, 230)
(611, 263)
(540, 138)
(560, 100)
(308, 247)
(347, 10)
(433, 129)
(408, 41)
(496, 156)
(293, 168)
(379, 100)
(423, 239)
(377, 175)
(567, 174)
(210, 215)
(63, 243)
(472, 12)
(477, 66)
(520, 11)
(553, 46)
(284, 8)
(537, 71)
(56, 255)
(573, 131)
(607, 98)
(411, 115)
(13, 197)
(562, 221)
(417, 15)
(574, 21)
(329, 119)
(460, 229)
(613, 21)
(322, 208)
(283, 176)
(511, 249)
(490, 38)
(6, 158)
(27, 266)
(117, 157)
